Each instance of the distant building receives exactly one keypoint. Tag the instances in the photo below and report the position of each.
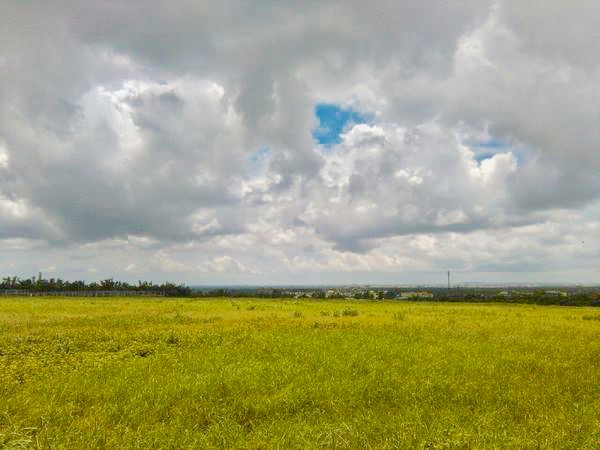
(414, 294)
(556, 293)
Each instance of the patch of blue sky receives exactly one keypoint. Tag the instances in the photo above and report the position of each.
(492, 143)
(482, 156)
(258, 158)
(522, 155)
(487, 149)
(334, 120)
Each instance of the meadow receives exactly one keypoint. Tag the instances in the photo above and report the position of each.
(94, 373)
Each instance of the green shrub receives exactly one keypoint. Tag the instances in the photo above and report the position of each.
(142, 351)
(172, 338)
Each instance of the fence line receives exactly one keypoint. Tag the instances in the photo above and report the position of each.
(97, 293)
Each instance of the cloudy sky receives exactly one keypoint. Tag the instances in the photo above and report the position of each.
(255, 142)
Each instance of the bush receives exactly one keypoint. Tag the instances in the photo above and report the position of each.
(567, 303)
(172, 339)
(142, 351)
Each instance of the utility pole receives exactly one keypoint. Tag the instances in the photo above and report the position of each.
(448, 280)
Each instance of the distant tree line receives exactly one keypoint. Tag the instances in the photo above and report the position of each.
(40, 284)
(251, 293)
(590, 297)
(537, 297)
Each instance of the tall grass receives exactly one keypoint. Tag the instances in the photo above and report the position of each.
(158, 373)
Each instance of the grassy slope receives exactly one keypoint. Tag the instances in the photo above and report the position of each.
(92, 373)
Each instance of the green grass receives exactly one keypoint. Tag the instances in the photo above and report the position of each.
(175, 373)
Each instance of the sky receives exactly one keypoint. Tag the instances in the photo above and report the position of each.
(269, 142)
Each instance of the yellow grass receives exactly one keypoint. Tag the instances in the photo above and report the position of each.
(246, 373)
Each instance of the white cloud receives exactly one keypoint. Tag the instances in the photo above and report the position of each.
(48, 269)
(3, 156)
(164, 262)
(131, 268)
(223, 264)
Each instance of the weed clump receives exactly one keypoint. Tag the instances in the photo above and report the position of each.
(112, 346)
(143, 351)
(172, 339)
(297, 314)
(346, 312)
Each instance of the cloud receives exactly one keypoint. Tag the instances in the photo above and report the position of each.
(188, 141)
(131, 268)
(223, 264)
(387, 181)
(48, 269)
(164, 262)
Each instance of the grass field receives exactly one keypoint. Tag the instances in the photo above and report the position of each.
(176, 373)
